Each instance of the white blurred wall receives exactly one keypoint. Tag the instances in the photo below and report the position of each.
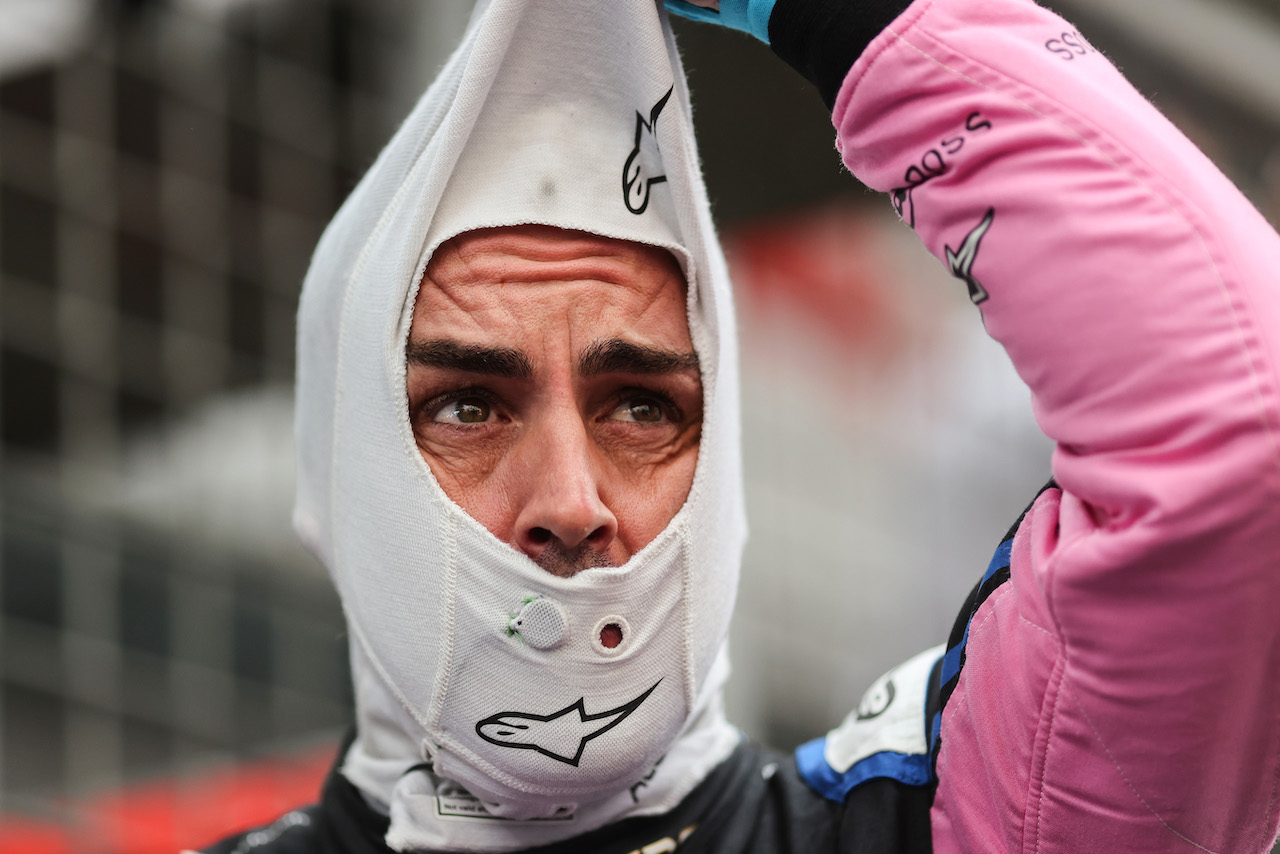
(878, 485)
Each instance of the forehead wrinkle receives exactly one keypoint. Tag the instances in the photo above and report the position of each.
(478, 279)
(487, 269)
(513, 299)
(435, 298)
(533, 254)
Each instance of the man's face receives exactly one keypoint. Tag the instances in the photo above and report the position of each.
(554, 391)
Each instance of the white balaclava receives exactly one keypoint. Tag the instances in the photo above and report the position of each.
(489, 714)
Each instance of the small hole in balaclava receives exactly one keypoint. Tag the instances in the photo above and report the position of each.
(611, 636)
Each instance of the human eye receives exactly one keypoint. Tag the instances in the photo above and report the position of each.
(642, 409)
(461, 410)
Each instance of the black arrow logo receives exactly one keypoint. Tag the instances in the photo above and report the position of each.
(635, 189)
(560, 735)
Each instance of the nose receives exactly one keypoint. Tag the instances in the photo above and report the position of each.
(564, 523)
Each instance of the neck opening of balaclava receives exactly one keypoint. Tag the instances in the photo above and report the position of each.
(489, 714)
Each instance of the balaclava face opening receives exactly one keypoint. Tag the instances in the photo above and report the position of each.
(466, 655)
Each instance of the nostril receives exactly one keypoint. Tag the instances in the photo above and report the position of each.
(540, 536)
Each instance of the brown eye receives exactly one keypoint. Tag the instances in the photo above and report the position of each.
(642, 410)
(465, 410)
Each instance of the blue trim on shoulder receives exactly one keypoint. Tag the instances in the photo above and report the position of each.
(954, 657)
(951, 661)
(935, 730)
(914, 769)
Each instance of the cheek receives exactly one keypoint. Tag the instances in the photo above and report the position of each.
(473, 478)
(652, 496)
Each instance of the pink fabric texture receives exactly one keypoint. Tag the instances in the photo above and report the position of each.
(1122, 692)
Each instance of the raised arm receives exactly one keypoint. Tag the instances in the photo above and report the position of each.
(1122, 691)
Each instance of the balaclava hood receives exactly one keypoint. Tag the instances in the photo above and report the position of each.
(489, 714)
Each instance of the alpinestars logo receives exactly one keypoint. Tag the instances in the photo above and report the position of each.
(961, 261)
(635, 187)
(561, 735)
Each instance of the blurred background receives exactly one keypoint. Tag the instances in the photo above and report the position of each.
(172, 664)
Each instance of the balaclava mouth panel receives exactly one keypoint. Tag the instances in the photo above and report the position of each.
(468, 655)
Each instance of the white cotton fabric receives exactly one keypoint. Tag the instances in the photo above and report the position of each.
(535, 119)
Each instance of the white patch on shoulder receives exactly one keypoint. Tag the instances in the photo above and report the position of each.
(889, 718)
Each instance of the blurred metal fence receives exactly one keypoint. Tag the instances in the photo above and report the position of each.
(129, 653)
(163, 180)
(160, 194)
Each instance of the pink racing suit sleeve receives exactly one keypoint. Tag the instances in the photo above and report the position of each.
(1122, 692)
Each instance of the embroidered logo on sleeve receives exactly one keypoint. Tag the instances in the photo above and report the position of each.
(961, 260)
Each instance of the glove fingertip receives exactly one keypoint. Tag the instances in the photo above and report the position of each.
(692, 12)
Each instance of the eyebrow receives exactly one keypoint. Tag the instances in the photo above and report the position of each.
(613, 356)
(473, 359)
(616, 356)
